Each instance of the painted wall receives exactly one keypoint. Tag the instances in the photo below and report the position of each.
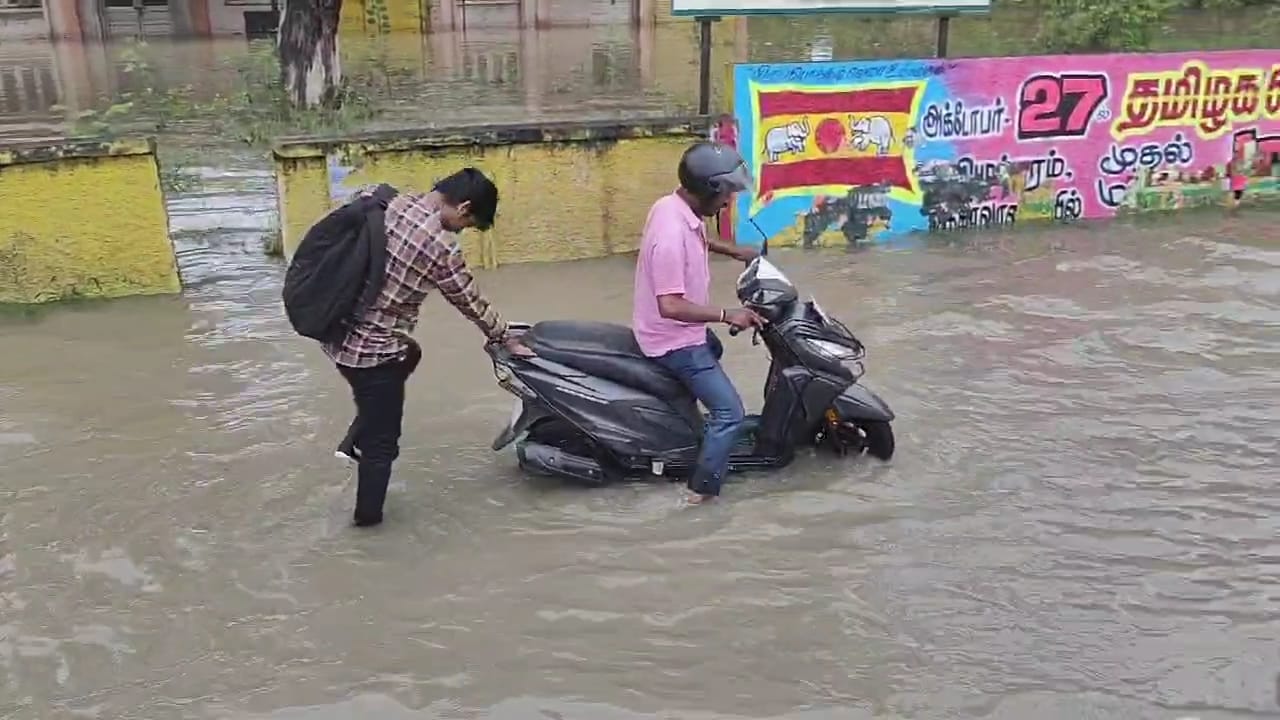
(568, 191)
(373, 16)
(847, 152)
(109, 236)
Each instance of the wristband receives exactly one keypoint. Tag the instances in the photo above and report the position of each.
(722, 315)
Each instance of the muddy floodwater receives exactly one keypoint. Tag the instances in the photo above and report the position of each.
(1082, 519)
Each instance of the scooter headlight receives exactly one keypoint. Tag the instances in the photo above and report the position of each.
(848, 357)
(835, 351)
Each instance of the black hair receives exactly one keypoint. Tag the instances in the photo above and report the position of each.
(469, 184)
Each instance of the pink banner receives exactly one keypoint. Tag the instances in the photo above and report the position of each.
(848, 151)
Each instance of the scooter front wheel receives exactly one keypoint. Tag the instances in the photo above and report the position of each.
(877, 438)
(871, 436)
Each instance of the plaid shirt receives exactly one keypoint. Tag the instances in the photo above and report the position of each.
(421, 255)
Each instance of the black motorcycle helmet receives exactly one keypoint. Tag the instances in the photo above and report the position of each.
(708, 169)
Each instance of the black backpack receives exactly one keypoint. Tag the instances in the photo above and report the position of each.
(338, 269)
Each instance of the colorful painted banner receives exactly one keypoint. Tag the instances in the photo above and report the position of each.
(850, 152)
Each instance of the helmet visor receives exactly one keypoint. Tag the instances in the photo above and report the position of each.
(736, 180)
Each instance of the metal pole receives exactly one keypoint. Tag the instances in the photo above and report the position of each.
(944, 30)
(704, 65)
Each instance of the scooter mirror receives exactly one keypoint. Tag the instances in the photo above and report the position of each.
(764, 238)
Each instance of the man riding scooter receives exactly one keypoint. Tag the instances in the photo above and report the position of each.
(671, 305)
(602, 402)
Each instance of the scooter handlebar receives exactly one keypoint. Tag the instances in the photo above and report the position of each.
(496, 348)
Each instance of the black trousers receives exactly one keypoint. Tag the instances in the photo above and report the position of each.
(375, 431)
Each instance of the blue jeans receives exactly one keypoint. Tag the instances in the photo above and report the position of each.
(698, 367)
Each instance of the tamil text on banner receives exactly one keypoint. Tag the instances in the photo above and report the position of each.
(847, 152)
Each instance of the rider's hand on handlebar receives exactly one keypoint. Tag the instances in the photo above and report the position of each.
(517, 348)
(743, 318)
(745, 253)
(511, 343)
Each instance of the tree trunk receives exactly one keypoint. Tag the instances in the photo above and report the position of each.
(308, 46)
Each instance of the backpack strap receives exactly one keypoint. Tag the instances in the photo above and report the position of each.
(373, 237)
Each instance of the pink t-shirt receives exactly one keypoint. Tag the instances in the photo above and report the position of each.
(672, 261)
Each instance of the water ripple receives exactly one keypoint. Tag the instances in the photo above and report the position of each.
(1082, 519)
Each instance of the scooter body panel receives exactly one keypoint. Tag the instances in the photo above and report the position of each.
(631, 431)
(622, 420)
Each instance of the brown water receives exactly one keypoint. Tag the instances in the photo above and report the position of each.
(1081, 520)
(589, 67)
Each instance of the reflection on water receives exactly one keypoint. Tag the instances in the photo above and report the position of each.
(593, 64)
(1081, 520)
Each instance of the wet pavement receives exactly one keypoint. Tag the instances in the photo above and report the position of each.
(1081, 520)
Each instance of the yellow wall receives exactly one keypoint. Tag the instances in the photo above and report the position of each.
(402, 15)
(83, 219)
(578, 191)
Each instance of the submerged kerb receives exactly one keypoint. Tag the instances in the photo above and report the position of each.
(29, 152)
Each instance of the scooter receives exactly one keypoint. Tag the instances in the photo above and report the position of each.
(591, 408)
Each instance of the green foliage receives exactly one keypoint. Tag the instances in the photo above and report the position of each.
(1026, 27)
(1103, 25)
(377, 16)
(1134, 25)
(143, 96)
(257, 111)
(1223, 4)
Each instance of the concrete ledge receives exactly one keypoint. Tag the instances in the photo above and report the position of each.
(492, 135)
(83, 218)
(569, 190)
(27, 152)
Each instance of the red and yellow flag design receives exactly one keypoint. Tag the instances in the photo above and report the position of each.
(826, 141)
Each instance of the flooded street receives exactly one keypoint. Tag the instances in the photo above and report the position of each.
(1081, 520)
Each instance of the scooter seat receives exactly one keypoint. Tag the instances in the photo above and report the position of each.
(603, 350)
